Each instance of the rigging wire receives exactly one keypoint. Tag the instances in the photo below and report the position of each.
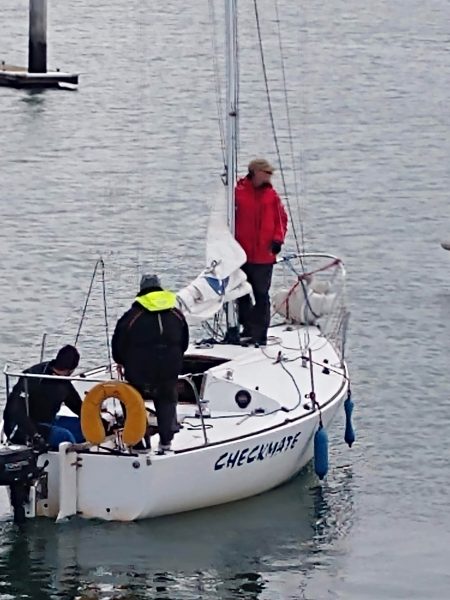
(302, 49)
(100, 263)
(272, 121)
(105, 316)
(291, 146)
(236, 147)
(291, 143)
(218, 88)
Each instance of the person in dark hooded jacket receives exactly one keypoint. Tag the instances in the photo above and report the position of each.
(32, 406)
(149, 342)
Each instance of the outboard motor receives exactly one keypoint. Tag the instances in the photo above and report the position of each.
(18, 469)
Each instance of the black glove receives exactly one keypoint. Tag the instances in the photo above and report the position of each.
(276, 247)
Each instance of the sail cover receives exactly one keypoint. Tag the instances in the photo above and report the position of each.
(222, 280)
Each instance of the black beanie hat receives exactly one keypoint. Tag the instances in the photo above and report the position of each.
(67, 358)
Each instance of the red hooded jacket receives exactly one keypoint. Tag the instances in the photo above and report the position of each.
(260, 220)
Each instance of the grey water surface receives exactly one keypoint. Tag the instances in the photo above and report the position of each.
(128, 167)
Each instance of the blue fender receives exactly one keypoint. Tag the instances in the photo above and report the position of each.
(321, 452)
(349, 435)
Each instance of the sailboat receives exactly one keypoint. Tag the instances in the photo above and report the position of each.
(250, 417)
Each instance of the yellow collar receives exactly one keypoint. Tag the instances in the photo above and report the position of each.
(156, 301)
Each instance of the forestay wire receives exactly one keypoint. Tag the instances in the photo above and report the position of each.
(288, 117)
(272, 121)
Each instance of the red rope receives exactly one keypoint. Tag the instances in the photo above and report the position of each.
(336, 261)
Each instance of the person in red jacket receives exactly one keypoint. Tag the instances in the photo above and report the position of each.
(260, 228)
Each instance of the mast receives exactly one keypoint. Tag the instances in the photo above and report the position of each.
(231, 106)
(232, 77)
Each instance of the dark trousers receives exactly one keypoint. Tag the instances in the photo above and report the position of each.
(166, 410)
(164, 395)
(256, 319)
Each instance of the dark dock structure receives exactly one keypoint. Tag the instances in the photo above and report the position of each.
(36, 75)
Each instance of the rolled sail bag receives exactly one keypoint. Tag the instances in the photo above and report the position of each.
(304, 308)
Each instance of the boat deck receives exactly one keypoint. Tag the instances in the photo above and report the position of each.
(277, 378)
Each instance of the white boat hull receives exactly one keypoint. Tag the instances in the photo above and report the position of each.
(128, 488)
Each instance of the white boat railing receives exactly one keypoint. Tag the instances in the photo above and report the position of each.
(43, 376)
(302, 268)
(305, 255)
(83, 379)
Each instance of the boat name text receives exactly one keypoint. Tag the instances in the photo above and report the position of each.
(229, 460)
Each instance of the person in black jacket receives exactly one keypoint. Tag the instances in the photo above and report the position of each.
(32, 406)
(148, 345)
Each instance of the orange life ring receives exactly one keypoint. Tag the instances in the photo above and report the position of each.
(135, 423)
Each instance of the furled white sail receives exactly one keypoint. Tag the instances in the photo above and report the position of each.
(222, 280)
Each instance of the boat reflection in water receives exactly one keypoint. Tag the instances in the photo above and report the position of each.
(264, 547)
